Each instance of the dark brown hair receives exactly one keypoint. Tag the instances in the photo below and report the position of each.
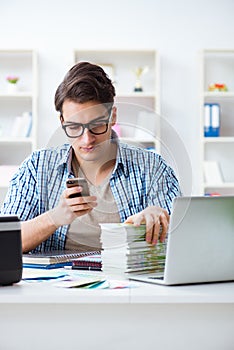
(85, 82)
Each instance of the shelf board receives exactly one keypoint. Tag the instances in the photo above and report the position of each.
(135, 94)
(219, 94)
(215, 50)
(115, 51)
(219, 139)
(3, 187)
(25, 94)
(219, 185)
(16, 51)
(137, 140)
(16, 140)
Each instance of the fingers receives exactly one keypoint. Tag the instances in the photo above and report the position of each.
(156, 220)
(68, 209)
(164, 219)
(81, 204)
(157, 228)
(72, 191)
(154, 235)
(137, 219)
(78, 203)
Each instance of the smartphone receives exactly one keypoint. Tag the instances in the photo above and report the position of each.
(78, 181)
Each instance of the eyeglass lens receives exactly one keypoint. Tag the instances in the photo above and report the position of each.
(76, 129)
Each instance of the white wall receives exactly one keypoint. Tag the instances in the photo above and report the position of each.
(177, 29)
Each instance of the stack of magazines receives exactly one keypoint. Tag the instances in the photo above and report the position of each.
(124, 250)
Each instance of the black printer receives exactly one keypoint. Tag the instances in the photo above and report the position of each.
(10, 250)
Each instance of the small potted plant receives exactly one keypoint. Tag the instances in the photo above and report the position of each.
(12, 80)
(217, 87)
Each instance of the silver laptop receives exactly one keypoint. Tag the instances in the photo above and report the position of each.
(200, 244)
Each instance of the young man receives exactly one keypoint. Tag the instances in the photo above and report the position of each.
(126, 184)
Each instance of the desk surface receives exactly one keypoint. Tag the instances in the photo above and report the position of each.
(146, 316)
(47, 292)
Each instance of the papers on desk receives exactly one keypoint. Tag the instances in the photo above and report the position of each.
(72, 279)
(68, 280)
(39, 275)
(95, 283)
(125, 250)
(85, 282)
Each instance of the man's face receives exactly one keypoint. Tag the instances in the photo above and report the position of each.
(88, 146)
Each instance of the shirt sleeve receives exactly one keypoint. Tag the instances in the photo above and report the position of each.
(22, 195)
(164, 187)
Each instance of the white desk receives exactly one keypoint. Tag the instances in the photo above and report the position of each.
(42, 316)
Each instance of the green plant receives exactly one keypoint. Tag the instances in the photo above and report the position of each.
(12, 79)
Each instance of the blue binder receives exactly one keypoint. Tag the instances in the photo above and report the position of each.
(211, 119)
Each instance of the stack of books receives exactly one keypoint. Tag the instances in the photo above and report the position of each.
(54, 259)
(124, 250)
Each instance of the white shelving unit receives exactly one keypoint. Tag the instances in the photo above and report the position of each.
(217, 66)
(138, 112)
(17, 136)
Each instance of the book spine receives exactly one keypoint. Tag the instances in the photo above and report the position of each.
(215, 119)
(207, 120)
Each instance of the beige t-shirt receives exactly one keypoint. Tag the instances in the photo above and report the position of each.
(84, 232)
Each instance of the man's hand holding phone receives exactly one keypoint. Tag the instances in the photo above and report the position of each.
(74, 202)
(81, 182)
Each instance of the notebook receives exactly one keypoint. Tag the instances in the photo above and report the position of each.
(91, 262)
(53, 259)
(200, 245)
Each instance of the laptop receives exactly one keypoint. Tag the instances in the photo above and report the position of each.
(200, 246)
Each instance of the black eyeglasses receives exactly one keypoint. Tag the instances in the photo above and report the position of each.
(97, 127)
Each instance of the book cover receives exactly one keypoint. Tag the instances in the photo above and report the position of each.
(55, 257)
(91, 262)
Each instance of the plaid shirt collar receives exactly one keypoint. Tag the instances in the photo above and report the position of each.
(66, 160)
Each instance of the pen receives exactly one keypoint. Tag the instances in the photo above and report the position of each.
(89, 268)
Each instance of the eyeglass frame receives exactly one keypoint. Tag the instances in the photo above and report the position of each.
(86, 126)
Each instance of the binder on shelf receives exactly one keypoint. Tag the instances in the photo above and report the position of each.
(211, 119)
(16, 129)
(215, 119)
(22, 125)
(145, 126)
(212, 173)
(27, 117)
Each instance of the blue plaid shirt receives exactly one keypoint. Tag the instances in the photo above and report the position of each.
(140, 179)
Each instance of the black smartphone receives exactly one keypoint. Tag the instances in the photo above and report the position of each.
(78, 181)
